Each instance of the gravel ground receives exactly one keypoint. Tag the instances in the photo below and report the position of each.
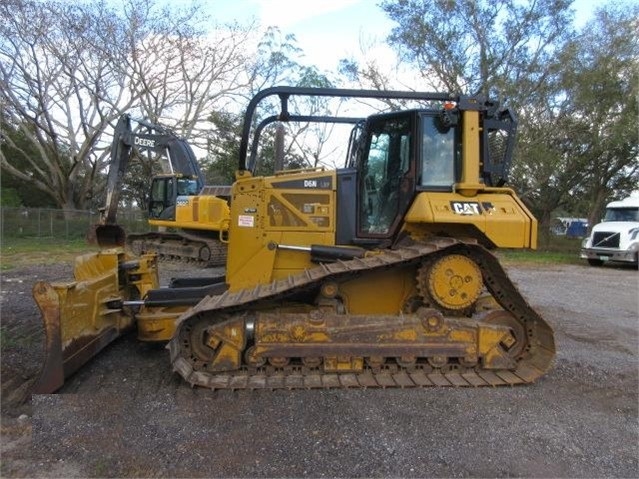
(125, 414)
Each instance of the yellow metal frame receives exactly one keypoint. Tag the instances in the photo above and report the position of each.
(496, 213)
(198, 213)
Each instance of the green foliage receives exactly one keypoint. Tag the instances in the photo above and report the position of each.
(224, 148)
(472, 46)
(9, 197)
(19, 150)
(578, 142)
(224, 152)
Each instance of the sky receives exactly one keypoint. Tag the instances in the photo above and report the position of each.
(329, 30)
(326, 30)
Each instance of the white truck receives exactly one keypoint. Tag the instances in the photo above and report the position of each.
(616, 238)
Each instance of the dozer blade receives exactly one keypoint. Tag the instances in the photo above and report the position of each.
(82, 317)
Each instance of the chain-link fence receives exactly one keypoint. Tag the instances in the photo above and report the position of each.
(60, 224)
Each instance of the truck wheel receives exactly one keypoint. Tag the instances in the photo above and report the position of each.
(595, 262)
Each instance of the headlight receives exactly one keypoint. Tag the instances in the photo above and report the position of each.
(584, 242)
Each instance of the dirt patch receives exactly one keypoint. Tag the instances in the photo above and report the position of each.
(127, 415)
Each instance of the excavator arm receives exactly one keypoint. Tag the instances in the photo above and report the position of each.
(150, 138)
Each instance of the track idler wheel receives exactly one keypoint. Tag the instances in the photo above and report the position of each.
(312, 362)
(211, 347)
(279, 361)
(438, 361)
(504, 318)
(451, 283)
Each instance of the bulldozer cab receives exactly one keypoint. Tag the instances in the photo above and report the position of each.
(404, 154)
(427, 170)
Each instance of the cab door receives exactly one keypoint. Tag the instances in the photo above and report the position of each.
(386, 176)
(162, 198)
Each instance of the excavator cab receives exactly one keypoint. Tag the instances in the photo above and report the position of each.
(167, 191)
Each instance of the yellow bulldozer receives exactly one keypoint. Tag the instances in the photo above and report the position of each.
(378, 274)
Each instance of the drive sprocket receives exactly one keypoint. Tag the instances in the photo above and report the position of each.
(451, 283)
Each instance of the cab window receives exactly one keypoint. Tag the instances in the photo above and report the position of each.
(438, 154)
(186, 187)
(387, 161)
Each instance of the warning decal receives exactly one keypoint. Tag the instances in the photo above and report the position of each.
(246, 221)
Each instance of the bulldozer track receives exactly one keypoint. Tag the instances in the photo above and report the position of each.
(210, 252)
(302, 378)
(535, 358)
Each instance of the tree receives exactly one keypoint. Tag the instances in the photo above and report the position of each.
(67, 72)
(224, 147)
(549, 169)
(480, 46)
(16, 191)
(277, 62)
(578, 142)
(601, 79)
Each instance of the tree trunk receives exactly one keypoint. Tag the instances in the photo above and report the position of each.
(544, 228)
(597, 209)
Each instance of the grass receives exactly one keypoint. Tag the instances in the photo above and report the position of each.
(539, 257)
(550, 250)
(18, 252)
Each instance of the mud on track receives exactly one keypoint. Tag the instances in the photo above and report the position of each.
(126, 414)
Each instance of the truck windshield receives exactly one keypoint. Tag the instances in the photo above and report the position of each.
(622, 214)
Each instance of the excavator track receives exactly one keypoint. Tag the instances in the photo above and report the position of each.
(207, 252)
(535, 341)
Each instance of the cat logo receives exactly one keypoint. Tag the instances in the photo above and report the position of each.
(466, 207)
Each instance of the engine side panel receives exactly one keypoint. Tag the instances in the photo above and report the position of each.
(495, 217)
